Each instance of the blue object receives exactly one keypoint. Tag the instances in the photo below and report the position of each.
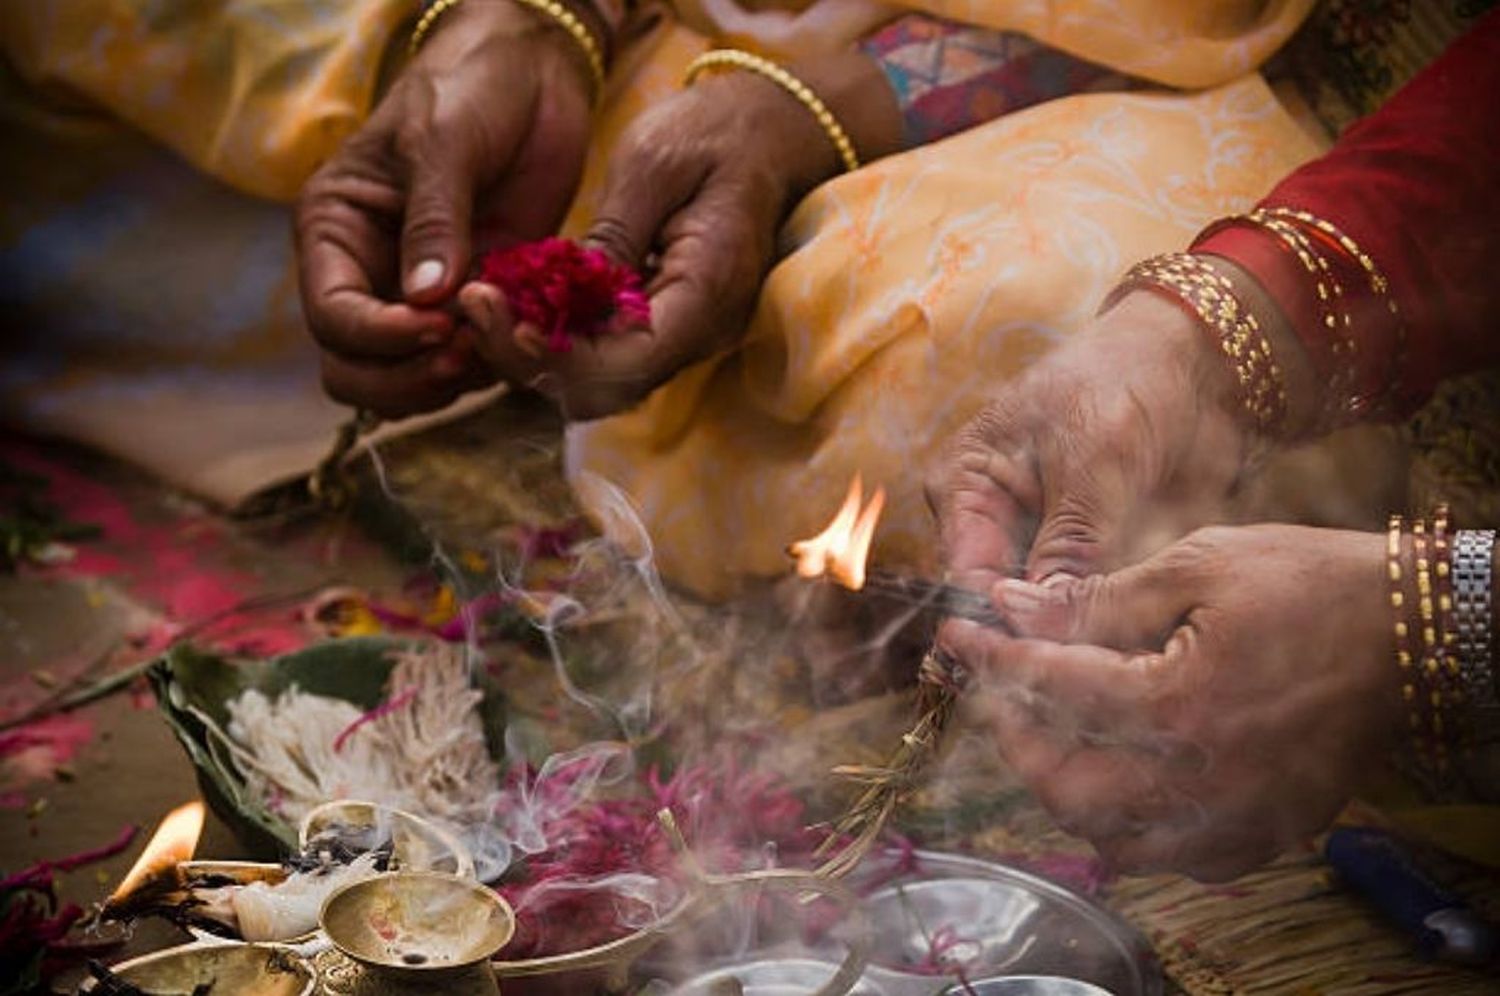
(1376, 864)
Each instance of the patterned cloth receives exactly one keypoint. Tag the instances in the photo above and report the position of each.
(947, 76)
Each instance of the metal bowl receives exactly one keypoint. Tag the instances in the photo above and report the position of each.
(992, 920)
(772, 977)
(1026, 985)
(417, 922)
(242, 969)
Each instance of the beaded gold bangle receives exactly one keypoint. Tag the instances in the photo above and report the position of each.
(1405, 664)
(1210, 296)
(423, 27)
(564, 18)
(1444, 624)
(733, 58)
(1440, 695)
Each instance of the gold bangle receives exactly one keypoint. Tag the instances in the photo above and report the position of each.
(562, 16)
(1405, 664)
(424, 23)
(725, 58)
(570, 23)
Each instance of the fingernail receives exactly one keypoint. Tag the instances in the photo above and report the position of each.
(425, 275)
(433, 337)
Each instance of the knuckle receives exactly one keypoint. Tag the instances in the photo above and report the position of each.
(615, 237)
(427, 224)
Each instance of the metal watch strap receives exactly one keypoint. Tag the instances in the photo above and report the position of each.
(1473, 576)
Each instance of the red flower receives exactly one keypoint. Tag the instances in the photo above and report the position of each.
(566, 290)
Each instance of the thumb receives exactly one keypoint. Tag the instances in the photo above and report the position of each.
(435, 237)
(1135, 608)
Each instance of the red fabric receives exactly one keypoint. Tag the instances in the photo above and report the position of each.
(1417, 186)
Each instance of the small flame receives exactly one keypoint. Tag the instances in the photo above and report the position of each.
(173, 842)
(841, 550)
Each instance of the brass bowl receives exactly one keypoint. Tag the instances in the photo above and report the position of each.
(242, 969)
(417, 923)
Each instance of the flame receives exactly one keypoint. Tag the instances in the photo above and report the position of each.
(172, 843)
(841, 550)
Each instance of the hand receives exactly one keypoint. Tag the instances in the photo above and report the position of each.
(488, 124)
(1205, 709)
(1116, 443)
(696, 191)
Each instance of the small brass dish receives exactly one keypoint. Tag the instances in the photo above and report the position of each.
(231, 970)
(417, 923)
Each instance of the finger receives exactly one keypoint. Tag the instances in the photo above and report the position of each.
(497, 338)
(1135, 608)
(1096, 691)
(338, 251)
(640, 194)
(395, 390)
(1086, 500)
(1092, 793)
(986, 498)
(435, 235)
(709, 275)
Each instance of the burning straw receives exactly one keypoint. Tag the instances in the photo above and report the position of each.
(840, 553)
(940, 679)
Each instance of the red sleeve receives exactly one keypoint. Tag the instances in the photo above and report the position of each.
(1417, 187)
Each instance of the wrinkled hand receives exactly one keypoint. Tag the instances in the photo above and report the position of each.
(487, 128)
(1116, 443)
(696, 191)
(1203, 710)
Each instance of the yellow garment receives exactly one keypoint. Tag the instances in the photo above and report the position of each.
(255, 93)
(912, 291)
(258, 92)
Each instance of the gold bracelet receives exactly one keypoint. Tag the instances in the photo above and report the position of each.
(1211, 297)
(424, 23)
(562, 16)
(1405, 665)
(733, 58)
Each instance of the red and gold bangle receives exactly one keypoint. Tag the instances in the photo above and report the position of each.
(1210, 296)
(1341, 309)
(1381, 343)
(1335, 325)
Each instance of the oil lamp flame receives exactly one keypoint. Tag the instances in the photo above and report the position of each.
(840, 551)
(172, 843)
